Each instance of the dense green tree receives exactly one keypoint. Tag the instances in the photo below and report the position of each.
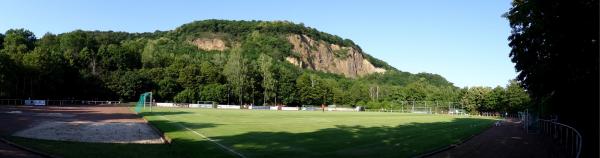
(155, 53)
(188, 95)
(8, 75)
(266, 71)
(555, 50)
(312, 90)
(236, 73)
(358, 92)
(214, 92)
(18, 42)
(168, 88)
(496, 100)
(474, 100)
(73, 43)
(128, 84)
(286, 85)
(252, 69)
(516, 97)
(115, 57)
(416, 91)
(211, 73)
(191, 77)
(1, 41)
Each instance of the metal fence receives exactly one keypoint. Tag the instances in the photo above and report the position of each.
(12, 102)
(59, 102)
(429, 107)
(567, 136)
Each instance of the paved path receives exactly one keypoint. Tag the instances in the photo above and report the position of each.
(507, 140)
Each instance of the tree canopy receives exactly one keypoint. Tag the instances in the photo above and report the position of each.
(555, 50)
(119, 65)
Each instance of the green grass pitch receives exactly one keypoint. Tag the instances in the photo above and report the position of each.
(254, 133)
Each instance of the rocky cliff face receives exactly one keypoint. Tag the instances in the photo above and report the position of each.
(322, 56)
(314, 55)
(210, 44)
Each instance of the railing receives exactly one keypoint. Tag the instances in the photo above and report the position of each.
(564, 134)
(58, 102)
(11, 102)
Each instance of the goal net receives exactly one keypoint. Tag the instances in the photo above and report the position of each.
(421, 110)
(144, 99)
(310, 108)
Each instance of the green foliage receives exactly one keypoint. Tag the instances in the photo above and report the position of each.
(474, 99)
(377, 62)
(18, 42)
(7, 67)
(167, 88)
(188, 95)
(516, 97)
(111, 65)
(555, 49)
(311, 89)
(1, 41)
(243, 28)
(128, 84)
(259, 43)
(342, 53)
(513, 98)
(266, 71)
(286, 84)
(214, 92)
(236, 71)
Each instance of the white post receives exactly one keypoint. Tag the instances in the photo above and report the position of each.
(151, 101)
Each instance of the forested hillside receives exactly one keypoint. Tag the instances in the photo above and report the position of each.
(236, 62)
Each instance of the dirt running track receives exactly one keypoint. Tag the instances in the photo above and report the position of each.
(15, 119)
(506, 141)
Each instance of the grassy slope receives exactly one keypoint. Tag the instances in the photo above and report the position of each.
(285, 134)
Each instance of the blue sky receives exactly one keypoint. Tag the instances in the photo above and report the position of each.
(463, 40)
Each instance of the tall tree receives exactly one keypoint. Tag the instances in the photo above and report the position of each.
(266, 71)
(287, 84)
(18, 42)
(516, 97)
(236, 72)
(8, 75)
(73, 43)
(474, 99)
(1, 41)
(555, 50)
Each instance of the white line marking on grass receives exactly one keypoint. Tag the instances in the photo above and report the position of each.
(205, 137)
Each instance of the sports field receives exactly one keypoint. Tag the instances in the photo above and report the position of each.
(253, 133)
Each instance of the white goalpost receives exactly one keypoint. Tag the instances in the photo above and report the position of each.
(421, 110)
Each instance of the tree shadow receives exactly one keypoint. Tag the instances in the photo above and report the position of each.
(405, 140)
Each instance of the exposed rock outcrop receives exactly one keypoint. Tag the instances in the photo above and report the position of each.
(322, 56)
(210, 44)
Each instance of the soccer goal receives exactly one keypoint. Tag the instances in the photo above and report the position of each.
(145, 99)
(204, 104)
(310, 108)
(421, 110)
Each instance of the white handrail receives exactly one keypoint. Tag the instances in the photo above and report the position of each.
(556, 130)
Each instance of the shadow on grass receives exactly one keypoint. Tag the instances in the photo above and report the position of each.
(357, 141)
(405, 140)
